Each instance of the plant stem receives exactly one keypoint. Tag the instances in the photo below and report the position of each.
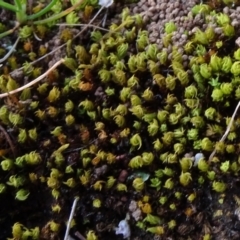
(43, 11)
(59, 15)
(18, 4)
(10, 51)
(8, 6)
(2, 95)
(70, 218)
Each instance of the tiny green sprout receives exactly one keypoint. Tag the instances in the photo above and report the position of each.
(185, 178)
(202, 165)
(72, 18)
(16, 181)
(186, 164)
(68, 106)
(170, 82)
(121, 109)
(163, 200)
(219, 187)
(32, 133)
(191, 197)
(210, 34)
(230, 148)
(149, 117)
(56, 131)
(198, 121)
(217, 95)
(201, 8)
(163, 56)
(210, 113)
(157, 145)
(53, 183)
(105, 75)
(136, 162)
(162, 115)
(205, 70)
(170, 27)
(226, 88)
(192, 134)
(178, 148)
(69, 119)
(17, 230)
(167, 138)
(35, 233)
(168, 172)
(138, 184)
(148, 95)
(71, 183)
(2, 188)
(87, 105)
(42, 88)
(15, 118)
(147, 158)
(33, 158)
(106, 113)
(121, 187)
(136, 141)
(153, 128)
(110, 182)
(97, 203)
(119, 120)
(26, 234)
(222, 19)
(135, 100)
(22, 194)
(151, 219)
(234, 167)
(172, 158)
(190, 92)
(169, 184)
(225, 166)
(54, 227)
(7, 164)
(119, 77)
(228, 30)
(91, 235)
(172, 206)
(55, 193)
(201, 180)
(236, 54)
(207, 144)
(54, 95)
(201, 37)
(155, 183)
(172, 224)
(178, 195)
(142, 40)
(159, 230)
(207, 237)
(215, 63)
(152, 51)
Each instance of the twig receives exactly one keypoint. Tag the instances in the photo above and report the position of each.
(34, 81)
(10, 51)
(227, 130)
(79, 235)
(70, 218)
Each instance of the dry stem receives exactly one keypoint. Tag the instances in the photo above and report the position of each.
(70, 218)
(227, 130)
(34, 81)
